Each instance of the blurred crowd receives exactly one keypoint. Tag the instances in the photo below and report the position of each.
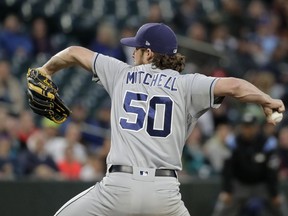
(251, 36)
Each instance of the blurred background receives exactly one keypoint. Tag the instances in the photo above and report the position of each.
(241, 38)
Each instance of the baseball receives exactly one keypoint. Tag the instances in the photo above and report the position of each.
(276, 116)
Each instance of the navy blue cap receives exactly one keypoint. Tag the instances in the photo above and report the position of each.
(157, 36)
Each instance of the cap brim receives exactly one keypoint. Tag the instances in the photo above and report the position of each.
(130, 41)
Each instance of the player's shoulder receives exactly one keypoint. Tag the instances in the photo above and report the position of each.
(190, 75)
(109, 60)
(187, 77)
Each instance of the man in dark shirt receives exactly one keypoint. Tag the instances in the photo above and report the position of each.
(250, 183)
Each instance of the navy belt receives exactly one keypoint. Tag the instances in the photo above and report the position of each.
(129, 169)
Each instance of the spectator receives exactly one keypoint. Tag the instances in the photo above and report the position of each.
(9, 167)
(283, 152)
(222, 40)
(11, 93)
(26, 127)
(106, 42)
(3, 119)
(11, 123)
(232, 16)
(154, 14)
(189, 11)
(215, 148)
(194, 161)
(94, 169)
(241, 61)
(265, 82)
(197, 31)
(280, 7)
(284, 81)
(268, 33)
(13, 40)
(256, 11)
(49, 128)
(37, 163)
(94, 131)
(41, 38)
(278, 59)
(102, 123)
(206, 124)
(69, 166)
(257, 53)
(249, 178)
(78, 116)
(266, 38)
(56, 147)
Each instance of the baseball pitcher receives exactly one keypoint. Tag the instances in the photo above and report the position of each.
(154, 109)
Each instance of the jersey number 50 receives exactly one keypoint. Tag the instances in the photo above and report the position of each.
(154, 114)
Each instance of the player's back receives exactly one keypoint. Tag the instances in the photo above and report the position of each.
(152, 111)
(148, 109)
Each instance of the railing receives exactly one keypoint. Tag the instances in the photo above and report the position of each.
(44, 198)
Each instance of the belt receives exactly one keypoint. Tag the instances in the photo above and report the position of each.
(129, 169)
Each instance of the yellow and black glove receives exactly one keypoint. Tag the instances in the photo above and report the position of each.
(43, 97)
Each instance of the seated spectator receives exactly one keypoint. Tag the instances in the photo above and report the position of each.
(13, 42)
(49, 128)
(197, 31)
(3, 119)
(9, 167)
(56, 147)
(102, 131)
(78, 116)
(11, 123)
(94, 131)
(215, 147)
(11, 93)
(232, 16)
(154, 14)
(26, 127)
(188, 12)
(241, 59)
(40, 37)
(94, 169)
(283, 152)
(222, 40)
(9, 127)
(36, 162)
(194, 161)
(69, 166)
(106, 42)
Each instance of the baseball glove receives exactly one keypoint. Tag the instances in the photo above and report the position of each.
(43, 97)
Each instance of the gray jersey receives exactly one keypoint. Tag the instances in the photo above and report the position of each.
(153, 111)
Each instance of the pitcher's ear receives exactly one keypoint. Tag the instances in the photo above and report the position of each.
(150, 54)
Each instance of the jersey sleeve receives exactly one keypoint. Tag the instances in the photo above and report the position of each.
(200, 94)
(106, 70)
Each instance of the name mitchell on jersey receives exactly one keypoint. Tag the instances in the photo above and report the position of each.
(158, 80)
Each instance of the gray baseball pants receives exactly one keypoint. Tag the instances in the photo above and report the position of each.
(124, 194)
